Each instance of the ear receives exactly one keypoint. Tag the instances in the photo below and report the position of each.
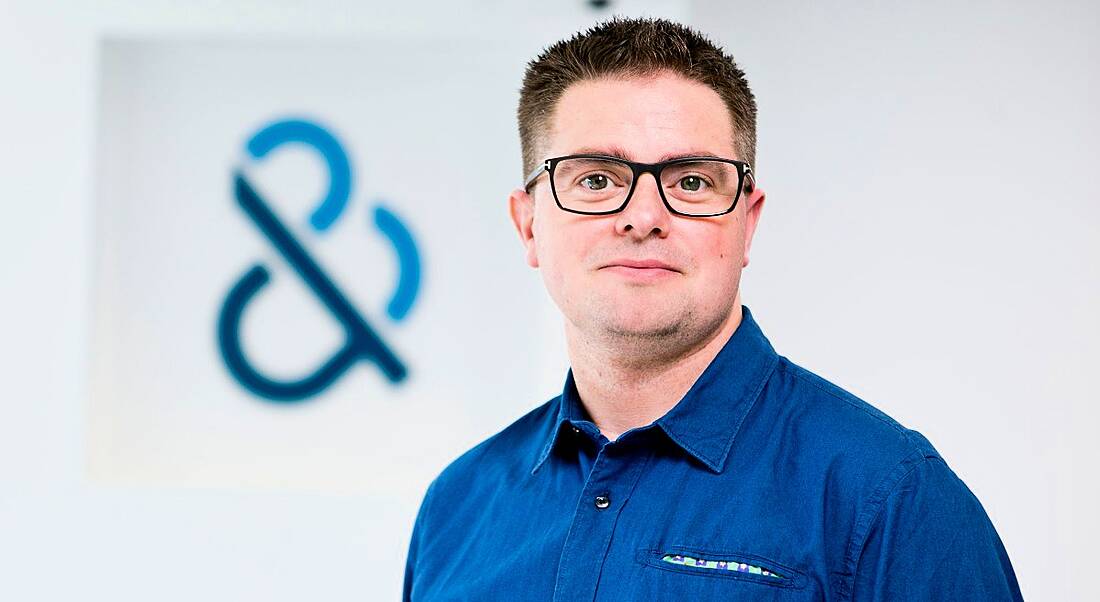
(754, 205)
(521, 206)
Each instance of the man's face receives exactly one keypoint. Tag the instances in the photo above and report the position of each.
(594, 267)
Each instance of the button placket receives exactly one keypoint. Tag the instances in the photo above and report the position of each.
(594, 522)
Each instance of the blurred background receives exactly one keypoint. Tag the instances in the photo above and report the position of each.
(170, 430)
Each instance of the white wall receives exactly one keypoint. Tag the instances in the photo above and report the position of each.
(926, 243)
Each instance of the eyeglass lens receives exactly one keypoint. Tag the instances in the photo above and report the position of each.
(699, 187)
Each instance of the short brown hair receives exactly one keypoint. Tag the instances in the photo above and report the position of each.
(632, 48)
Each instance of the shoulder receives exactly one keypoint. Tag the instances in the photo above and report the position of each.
(509, 454)
(898, 496)
(839, 425)
(856, 453)
(929, 518)
(457, 498)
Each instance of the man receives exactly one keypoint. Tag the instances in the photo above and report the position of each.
(684, 459)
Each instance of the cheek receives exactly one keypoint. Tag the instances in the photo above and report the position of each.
(719, 252)
(560, 254)
(564, 242)
(549, 262)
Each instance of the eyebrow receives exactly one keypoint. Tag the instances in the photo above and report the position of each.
(619, 153)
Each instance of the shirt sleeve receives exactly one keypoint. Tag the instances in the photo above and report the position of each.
(414, 546)
(932, 540)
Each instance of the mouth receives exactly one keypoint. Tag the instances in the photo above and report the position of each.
(640, 264)
(644, 270)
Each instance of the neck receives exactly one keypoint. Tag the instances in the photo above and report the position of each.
(624, 386)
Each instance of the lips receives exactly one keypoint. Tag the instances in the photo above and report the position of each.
(641, 264)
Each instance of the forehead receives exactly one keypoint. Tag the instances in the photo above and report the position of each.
(650, 119)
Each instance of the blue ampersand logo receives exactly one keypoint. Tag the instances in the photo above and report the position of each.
(362, 342)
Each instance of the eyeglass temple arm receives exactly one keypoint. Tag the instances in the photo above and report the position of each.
(535, 173)
(750, 180)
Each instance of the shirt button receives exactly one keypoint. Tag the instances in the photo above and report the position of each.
(576, 430)
(602, 502)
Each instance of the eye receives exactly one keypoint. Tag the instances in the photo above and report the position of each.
(692, 183)
(595, 182)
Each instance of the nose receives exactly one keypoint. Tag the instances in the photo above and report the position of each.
(645, 212)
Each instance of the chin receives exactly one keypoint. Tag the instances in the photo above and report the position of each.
(638, 321)
(651, 332)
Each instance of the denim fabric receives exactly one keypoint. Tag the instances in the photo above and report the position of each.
(762, 466)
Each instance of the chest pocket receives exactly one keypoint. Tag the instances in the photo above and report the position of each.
(706, 573)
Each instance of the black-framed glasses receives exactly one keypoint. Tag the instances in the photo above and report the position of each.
(602, 185)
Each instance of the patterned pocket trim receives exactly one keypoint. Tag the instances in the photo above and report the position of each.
(721, 565)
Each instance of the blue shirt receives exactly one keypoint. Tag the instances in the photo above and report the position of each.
(765, 482)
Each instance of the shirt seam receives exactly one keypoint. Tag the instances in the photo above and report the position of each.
(618, 516)
(798, 372)
(872, 507)
(872, 512)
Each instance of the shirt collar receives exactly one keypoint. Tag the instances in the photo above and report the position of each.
(569, 409)
(705, 422)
